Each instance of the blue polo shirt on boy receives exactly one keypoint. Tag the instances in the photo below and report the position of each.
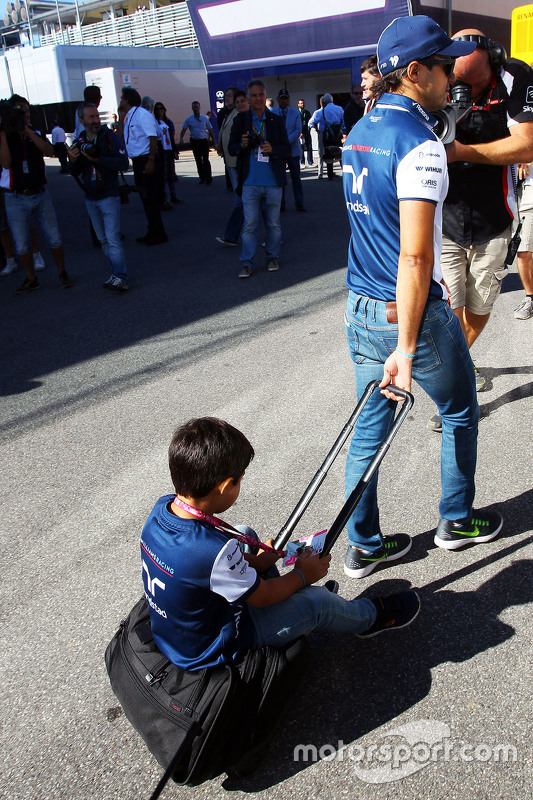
(196, 582)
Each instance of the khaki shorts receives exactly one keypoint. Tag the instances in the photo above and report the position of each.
(525, 199)
(474, 274)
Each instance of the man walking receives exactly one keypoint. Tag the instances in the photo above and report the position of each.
(97, 157)
(331, 117)
(59, 138)
(293, 126)
(201, 135)
(259, 140)
(307, 145)
(140, 132)
(398, 323)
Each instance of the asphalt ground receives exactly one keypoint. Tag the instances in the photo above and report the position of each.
(92, 385)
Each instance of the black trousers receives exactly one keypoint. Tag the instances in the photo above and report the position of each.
(151, 189)
(200, 149)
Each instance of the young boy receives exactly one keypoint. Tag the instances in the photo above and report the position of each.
(208, 602)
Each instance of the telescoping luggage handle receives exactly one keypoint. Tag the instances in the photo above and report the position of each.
(350, 504)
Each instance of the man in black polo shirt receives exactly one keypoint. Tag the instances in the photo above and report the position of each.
(23, 181)
(478, 210)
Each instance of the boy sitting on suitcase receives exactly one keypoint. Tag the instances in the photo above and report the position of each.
(208, 602)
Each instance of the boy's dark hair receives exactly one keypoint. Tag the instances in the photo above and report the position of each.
(131, 96)
(204, 452)
(92, 94)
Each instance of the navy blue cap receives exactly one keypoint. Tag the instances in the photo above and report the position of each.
(409, 39)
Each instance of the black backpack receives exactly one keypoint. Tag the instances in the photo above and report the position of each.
(200, 724)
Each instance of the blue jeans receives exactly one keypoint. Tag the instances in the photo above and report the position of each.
(20, 210)
(304, 611)
(105, 217)
(443, 368)
(252, 197)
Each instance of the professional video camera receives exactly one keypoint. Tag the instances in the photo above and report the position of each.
(89, 148)
(456, 109)
(11, 117)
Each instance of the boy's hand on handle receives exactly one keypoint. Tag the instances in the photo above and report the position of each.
(267, 559)
(313, 568)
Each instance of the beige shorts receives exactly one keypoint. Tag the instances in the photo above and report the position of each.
(525, 199)
(474, 274)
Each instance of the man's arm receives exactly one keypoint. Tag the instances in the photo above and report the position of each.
(41, 144)
(5, 152)
(118, 158)
(150, 164)
(415, 267)
(296, 128)
(516, 148)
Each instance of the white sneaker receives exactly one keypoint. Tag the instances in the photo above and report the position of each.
(524, 310)
(38, 262)
(10, 267)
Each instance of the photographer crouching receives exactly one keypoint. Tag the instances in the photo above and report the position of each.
(97, 157)
(23, 181)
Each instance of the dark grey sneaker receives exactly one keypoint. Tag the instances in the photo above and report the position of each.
(435, 423)
(394, 612)
(65, 280)
(29, 285)
(273, 265)
(482, 527)
(117, 284)
(360, 563)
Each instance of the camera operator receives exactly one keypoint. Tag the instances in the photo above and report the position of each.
(23, 180)
(97, 156)
(478, 210)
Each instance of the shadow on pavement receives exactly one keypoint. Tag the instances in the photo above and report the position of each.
(350, 691)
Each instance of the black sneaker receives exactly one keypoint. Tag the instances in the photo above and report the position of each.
(65, 280)
(482, 527)
(395, 611)
(332, 586)
(360, 563)
(29, 285)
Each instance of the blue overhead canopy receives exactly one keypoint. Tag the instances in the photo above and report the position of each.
(239, 34)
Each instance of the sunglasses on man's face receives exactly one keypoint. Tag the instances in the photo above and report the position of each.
(447, 64)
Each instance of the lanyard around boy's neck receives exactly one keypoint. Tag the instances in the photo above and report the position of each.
(225, 527)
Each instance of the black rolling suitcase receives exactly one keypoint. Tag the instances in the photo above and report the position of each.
(201, 724)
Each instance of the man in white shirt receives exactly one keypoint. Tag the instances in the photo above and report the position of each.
(139, 130)
(201, 133)
(328, 114)
(59, 137)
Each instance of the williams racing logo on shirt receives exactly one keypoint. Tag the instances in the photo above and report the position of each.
(356, 188)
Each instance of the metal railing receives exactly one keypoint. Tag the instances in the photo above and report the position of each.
(170, 26)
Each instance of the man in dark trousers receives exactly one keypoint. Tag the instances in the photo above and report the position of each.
(259, 140)
(140, 132)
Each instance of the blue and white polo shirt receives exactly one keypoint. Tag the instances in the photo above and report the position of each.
(390, 155)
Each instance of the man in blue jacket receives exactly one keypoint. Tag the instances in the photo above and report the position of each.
(96, 157)
(259, 140)
(293, 125)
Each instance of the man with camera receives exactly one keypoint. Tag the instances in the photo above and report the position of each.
(259, 140)
(398, 323)
(23, 181)
(496, 133)
(96, 157)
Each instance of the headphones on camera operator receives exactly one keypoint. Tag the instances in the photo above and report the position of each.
(497, 54)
